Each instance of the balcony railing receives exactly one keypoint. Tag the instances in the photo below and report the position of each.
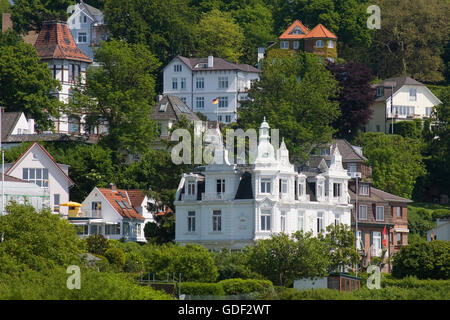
(90, 214)
(212, 196)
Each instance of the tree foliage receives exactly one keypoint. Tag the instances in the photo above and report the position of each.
(25, 83)
(396, 161)
(292, 92)
(341, 246)
(97, 244)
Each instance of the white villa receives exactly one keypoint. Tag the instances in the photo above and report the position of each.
(199, 81)
(410, 100)
(225, 205)
(114, 213)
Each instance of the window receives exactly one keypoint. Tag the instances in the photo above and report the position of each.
(362, 212)
(380, 214)
(219, 118)
(82, 37)
(37, 175)
(217, 220)
(284, 44)
(380, 91)
(319, 190)
(223, 82)
(296, 44)
(428, 111)
(364, 190)
(74, 125)
(220, 186)
(200, 102)
(283, 221)
(399, 238)
(319, 222)
(358, 239)
(112, 229)
(227, 118)
(336, 190)
(184, 101)
(377, 240)
(265, 220)
(174, 83)
(337, 219)
(191, 221)
(191, 188)
(84, 19)
(177, 68)
(223, 102)
(330, 44)
(399, 212)
(301, 189)
(412, 94)
(404, 110)
(283, 186)
(300, 220)
(200, 83)
(351, 167)
(126, 229)
(56, 202)
(183, 83)
(319, 44)
(265, 186)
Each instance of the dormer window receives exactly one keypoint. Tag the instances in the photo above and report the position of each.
(191, 188)
(364, 190)
(220, 186)
(177, 68)
(380, 91)
(412, 94)
(296, 30)
(336, 190)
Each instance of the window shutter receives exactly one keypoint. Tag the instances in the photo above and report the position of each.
(371, 237)
(363, 239)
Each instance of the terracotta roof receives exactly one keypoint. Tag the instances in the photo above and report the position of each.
(286, 35)
(120, 201)
(174, 110)
(48, 154)
(136, 197)
(55, 41)
(320, 31)
(218, 64)
(9, 121)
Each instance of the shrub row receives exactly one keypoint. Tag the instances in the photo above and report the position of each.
(227, 287)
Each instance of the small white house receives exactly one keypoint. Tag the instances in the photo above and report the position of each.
(441, 231)
(38, 166)
(200, 81)
(114, 213)
(410, 100)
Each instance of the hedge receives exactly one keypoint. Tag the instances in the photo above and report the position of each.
(201, 289)
(241, 286)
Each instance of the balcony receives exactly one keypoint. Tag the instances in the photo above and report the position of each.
(212, 196)
(94, 214)
(191, 197)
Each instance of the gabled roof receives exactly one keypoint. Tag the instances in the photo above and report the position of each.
(90, 9)
(117, 198)
(71, 183)
(55, 41)
(348, 151)
(136, 197)
(9, 121)
(219, 64)
(397, 83)
(388, 196)
(172, 108)
(320, 31)
(289, 35)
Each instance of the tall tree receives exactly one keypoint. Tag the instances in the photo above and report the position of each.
(411, 40)
(217, 34)
(121, 92)
(28, 15)
(25, 83)
(356, 95)
(396, 161)
(296, 95)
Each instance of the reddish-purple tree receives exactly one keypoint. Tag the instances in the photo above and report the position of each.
(355, 97)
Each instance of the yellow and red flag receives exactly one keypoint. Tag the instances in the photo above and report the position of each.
(215, 101)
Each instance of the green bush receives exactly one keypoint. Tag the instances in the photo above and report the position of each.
(97, 244)
(241, 286)
(133, 262)
(425, 260)
(313, 294)
(440, 213)
(201, 289)
(115, 256)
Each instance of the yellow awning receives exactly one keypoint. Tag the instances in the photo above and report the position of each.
(71, 204)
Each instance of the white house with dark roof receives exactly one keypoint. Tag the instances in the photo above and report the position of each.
(199, 81)
(225, 205)
(113, 213)
(411, 99)
(38, 166)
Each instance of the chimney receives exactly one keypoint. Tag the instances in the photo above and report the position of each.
(112, 186)
(210, 61)
(30, 126)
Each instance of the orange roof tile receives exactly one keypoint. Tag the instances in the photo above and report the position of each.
(55, 41)
(287, 34)
(116, 196)
(320, 31)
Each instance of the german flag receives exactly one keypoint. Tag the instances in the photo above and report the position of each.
(215, 101)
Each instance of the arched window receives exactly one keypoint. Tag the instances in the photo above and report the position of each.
(319, 44)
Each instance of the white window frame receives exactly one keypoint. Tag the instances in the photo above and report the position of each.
(398, 211)
(266, 217)
(191, 221)
(365, 212)
(266, 186)
(283, 221)
(200, 102)
(337, 192)
(300, 220)
(182, 83)
(200, 83)
(364, 190)
(319, 224)
(398, 241)
(217, 221)
(320, 44)
(284, 44)
(191, 188)
(84, 35)
(177, 68)
(296, 44)
(358, 239)
(221, 183)
(413, 97)
(376, 213)
(223, 82)
(330, 44)
(223, 102)
(376, 240)
(284, 186)
(41, 181)
(174, 83)
(227, 118)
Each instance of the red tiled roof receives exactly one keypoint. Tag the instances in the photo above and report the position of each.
(136, 197)
(48, 154)
(163, 213)
(286, 34)
(320, 31)
(55, 41)
(113, 196)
